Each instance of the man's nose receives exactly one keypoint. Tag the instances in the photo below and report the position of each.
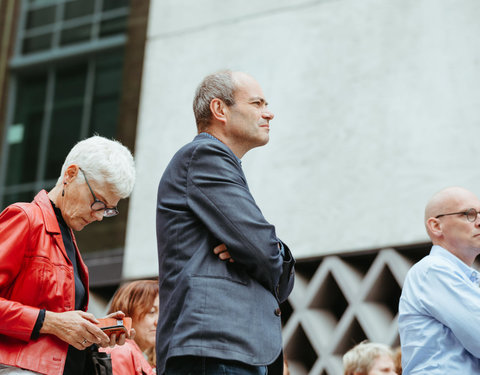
(268, 115)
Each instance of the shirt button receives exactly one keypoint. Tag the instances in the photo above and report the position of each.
(278, 312)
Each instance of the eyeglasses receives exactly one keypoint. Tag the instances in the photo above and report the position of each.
(471, 214)
(97, 204)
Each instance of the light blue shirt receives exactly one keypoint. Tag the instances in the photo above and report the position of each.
(439, 317)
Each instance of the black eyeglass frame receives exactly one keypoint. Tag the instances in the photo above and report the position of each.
(97, 204)
(471, 214)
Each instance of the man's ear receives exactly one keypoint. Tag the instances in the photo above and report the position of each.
(434, 227)
(218, 109)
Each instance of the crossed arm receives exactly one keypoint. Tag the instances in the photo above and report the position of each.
(218, 194)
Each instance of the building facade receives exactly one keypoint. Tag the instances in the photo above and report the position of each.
(375, 107)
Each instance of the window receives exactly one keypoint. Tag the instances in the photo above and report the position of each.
(53, 24)
(66, 77)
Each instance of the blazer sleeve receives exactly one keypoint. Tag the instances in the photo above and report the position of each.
(16, 319)
(218, 194)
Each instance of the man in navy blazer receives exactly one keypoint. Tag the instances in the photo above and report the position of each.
(219, 310)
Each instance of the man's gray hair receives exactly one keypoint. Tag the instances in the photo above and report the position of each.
(219, 85)
(104, 161)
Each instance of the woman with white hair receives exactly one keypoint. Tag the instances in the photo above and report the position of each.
(44, 326)
(369, 358)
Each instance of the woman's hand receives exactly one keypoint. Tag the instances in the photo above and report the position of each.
(77, 328)
(120, 340)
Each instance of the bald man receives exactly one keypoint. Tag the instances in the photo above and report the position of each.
(439, 311)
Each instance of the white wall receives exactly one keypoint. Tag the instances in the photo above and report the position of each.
(376, 102)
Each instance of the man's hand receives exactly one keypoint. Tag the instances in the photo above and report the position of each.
(223, 254)
(121, 339)
(77, 328)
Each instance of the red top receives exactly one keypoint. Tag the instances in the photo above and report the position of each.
(128, 359)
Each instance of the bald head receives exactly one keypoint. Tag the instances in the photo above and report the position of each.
(452, 230)
(448, 200)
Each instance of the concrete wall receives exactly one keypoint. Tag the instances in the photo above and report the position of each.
(376, 103)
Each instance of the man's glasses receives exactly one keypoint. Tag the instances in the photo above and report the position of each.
(471, 214)
(97, 204)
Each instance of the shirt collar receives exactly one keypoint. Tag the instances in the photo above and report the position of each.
(469, 272)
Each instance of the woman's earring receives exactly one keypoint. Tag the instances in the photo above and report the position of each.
(63, 191)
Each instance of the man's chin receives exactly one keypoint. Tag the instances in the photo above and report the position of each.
(265, 140)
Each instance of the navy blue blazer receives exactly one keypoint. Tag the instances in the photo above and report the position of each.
(210, 307)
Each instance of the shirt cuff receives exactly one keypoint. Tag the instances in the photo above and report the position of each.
(38, 325)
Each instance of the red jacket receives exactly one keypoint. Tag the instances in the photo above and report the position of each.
(128, 359)
(35, 273)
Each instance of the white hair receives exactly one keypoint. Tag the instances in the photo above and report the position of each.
(104, 161)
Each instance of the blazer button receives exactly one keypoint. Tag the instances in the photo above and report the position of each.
(278, 312)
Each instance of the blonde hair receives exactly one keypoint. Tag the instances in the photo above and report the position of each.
(362, 357)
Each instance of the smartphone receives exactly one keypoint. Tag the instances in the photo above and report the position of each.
(117, 326)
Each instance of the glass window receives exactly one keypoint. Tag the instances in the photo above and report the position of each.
(75, 35)
(78, 8)
(66, 116)
(37, 43)
(113, 26)
(114, 4)
(40, 17)
(17, 196)
(65, 94)
(106, 94)
(71, 112)
(53, 23)
(42, 2)
(24, 134)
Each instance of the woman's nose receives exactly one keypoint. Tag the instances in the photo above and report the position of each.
(98, 215)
